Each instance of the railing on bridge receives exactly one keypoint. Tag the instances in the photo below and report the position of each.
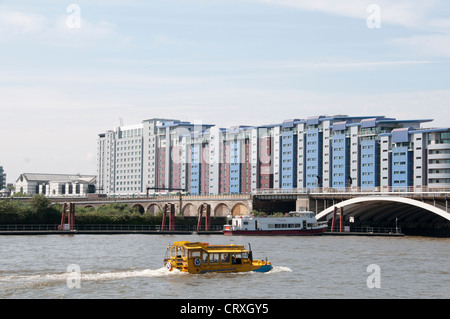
(354, 190)
(382, 190)
(112, 198)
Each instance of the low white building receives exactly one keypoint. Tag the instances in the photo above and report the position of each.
(5, 192)
(55, 184)
(2, 178)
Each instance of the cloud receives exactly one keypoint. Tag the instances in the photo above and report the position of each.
(48, 122)
(20, 26)
(415, 15)
(16, 23)
(338, 65)
(440, 24)
(436, 43)
(410, 13)
(431, 45)
(230, 106)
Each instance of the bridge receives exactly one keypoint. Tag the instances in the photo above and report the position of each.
(415, 211)
(186, 205)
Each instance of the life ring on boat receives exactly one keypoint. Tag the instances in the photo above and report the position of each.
(197, 262)
(59, 227)
(169, 266)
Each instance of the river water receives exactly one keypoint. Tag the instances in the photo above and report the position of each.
(130, 266)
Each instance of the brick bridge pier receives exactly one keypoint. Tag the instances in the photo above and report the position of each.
(221, 205)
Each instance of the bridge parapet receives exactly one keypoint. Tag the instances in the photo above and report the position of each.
(149, 198)
(186, 205)
(359, 191)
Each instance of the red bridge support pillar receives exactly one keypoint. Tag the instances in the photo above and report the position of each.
(170, 210)
(205, 210)
(338, 212)
(68, 208)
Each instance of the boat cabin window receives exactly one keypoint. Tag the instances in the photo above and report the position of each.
(225, 258)
(214, 258)
(194, 253)
(236, 259)
(204, 257)
(283, 226)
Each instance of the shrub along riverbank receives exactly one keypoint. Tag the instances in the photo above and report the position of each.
(40, 211)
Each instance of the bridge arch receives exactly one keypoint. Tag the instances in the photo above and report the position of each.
(153, 208)
(221, 210)
(140, 208)
(387, 209)
(190, 210)
(239, 209)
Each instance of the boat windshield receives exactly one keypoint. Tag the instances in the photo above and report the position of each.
(177, 251)
(236, 258)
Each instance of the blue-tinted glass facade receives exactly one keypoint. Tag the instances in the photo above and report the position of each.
(313, 158)
(401, 166)
(235, 167)
(340, 162)
(195, 168)
(288, 159)
(369, 164)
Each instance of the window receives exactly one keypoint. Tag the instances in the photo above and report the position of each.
(194, 254)
(236, 259)
(214, 258)
(225, 258)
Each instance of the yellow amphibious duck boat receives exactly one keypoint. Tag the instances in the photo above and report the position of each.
(199, 258)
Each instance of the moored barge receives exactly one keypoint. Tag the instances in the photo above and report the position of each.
(298, 223)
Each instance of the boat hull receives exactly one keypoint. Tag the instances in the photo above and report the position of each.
(283, 232)
(256, 266)
(263, 268)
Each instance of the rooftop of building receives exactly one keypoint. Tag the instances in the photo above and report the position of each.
(44, 177)
(339, 122)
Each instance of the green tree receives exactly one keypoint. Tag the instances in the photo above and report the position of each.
(42, 211)
(39, 203)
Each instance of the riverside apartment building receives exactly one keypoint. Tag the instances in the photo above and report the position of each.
(328, 152)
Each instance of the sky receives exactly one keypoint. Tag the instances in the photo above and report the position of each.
(72, 70)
